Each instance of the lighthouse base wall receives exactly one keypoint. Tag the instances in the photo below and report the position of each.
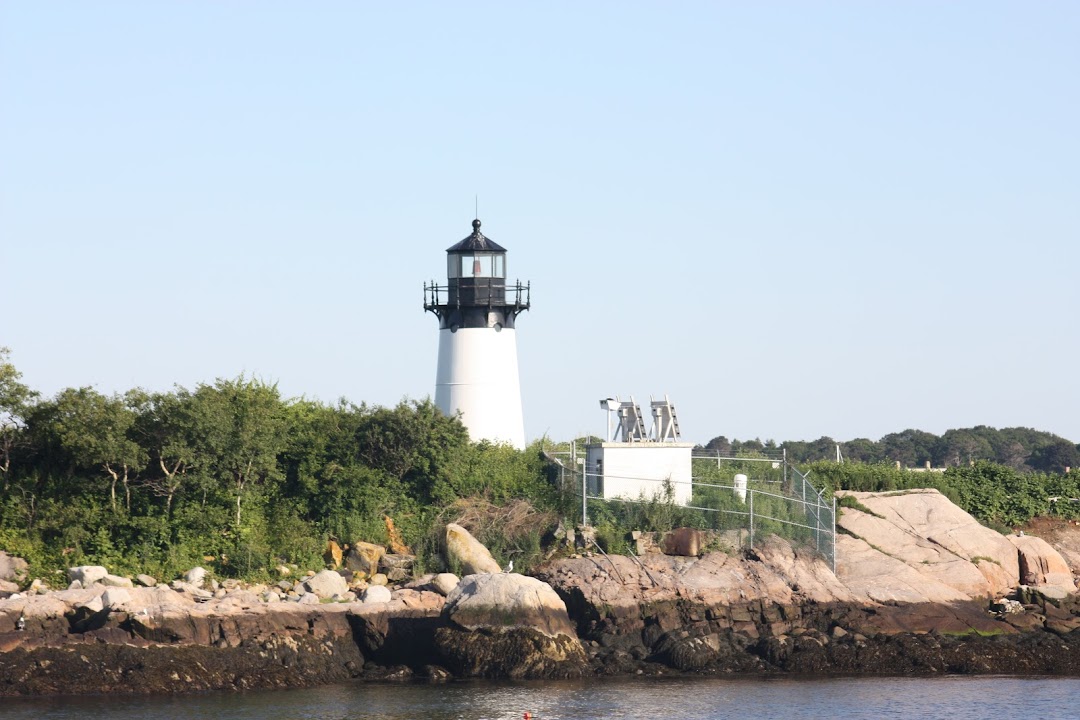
(478, 376)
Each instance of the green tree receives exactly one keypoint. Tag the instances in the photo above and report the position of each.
(15, 399)
(1055, 456)
(96, 430)
(166, 429)
(236, 429)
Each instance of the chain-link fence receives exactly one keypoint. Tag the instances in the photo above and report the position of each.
(744, 498)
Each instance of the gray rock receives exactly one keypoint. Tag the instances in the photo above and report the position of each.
(12, 569)
(117, 581)
(444, 583)
(507, 600)
(392, 561)
(271, 597)
(326, 584)
(189, 589)
(195, 576)
(146, 580)
(114, 597)
(75, 585)
(38, 586)
(309, 599)
(376, 594)
(87, 574)
(6, 586)
(94, 605)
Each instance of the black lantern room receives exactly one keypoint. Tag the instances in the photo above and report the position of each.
(476, 294)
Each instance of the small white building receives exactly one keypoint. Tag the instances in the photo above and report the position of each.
(633, 465)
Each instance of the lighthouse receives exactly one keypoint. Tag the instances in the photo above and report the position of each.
(478, 368)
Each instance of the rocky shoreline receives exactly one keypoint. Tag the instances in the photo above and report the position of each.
(935, 603)
(238, 648)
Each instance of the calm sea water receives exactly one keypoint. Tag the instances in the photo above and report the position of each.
(954, 698)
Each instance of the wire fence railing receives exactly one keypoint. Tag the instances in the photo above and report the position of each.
(756, 496)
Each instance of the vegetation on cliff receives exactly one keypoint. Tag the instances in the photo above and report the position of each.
(160, 481)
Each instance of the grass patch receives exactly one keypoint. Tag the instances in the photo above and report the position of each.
(972, 632)
(848, 501)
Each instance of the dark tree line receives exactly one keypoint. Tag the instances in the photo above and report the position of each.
(1017, 448)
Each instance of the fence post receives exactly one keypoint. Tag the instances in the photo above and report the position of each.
(751, 519)
(834, 535)
(584, 497)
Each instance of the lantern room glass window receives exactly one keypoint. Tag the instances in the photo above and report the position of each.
(477, 265)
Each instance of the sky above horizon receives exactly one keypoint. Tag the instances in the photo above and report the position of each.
(796, 219)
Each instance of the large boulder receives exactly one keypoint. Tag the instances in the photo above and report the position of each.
(87, 575)
(508, 625)
(927, 532)
(376, 594)
(397, 566)
(196, 576)
(444, 583)
(364, 558)
(1041, 564)
(12, 569)
(684, 541)
(468, 552)
(506, 600)
(326, 584)
(115, 597)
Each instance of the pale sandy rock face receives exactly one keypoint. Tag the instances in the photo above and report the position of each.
(931, 517)
(872, 575)
(505, 600)
(804, 570)
(1041, 564)
(925, 557)
(463, 548)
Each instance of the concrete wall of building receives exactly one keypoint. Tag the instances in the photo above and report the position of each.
(629, 470)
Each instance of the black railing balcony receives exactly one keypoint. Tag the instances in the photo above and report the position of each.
(491, 292)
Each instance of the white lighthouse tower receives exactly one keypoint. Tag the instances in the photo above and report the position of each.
(478, 367)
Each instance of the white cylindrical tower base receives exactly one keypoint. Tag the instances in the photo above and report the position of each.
(478, 377)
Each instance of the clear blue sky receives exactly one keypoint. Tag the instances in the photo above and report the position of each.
(798, 219)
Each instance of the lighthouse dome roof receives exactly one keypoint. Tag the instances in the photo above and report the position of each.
(476, 242)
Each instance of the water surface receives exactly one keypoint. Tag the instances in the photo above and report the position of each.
(954, 697)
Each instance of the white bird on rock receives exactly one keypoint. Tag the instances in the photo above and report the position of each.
(509, 568)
